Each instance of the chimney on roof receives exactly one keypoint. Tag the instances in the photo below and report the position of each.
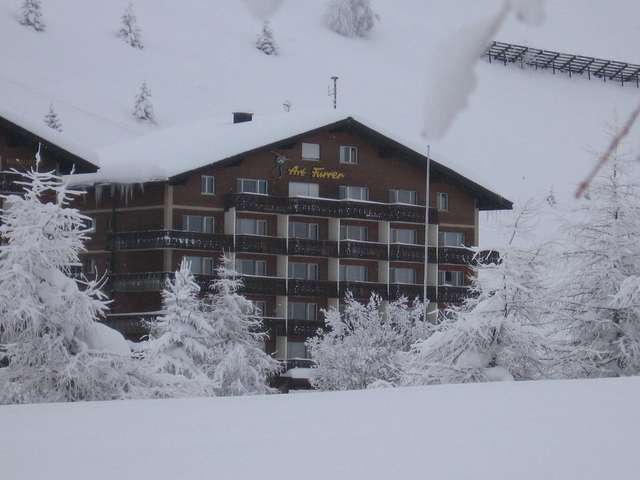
(241, 117)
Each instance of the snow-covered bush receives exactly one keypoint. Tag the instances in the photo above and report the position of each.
(55, 350)
(265, 42)
(142, 107)
(599, 309)
(361, 346)
(31, 15)
(129, 30)
(52, 120)
(497, 334)
(241, 365)
(351, 18)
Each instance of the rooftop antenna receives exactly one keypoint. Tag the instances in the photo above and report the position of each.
(334, 92)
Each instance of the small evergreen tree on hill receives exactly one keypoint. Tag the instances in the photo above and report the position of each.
(129, 30)
(142, 107)
(265, 41)
(351, 18)
(31, 15)
(52, 120)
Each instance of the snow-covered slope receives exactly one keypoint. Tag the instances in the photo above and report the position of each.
(526, 131)
(555, 430)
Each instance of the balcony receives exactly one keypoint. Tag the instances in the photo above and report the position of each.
(410, 291)
(8, 185)
(326, 207)
(155, 239)
(312, 288)
(363, 290)
(403, 252)
(280, 327)
(312, 248)
(258, 244)
(466, 256)
(453, 295)
(364, 250)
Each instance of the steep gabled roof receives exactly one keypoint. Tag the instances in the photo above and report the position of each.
(175, 153)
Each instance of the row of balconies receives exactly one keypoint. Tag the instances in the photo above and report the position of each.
(328, 207)
(8, 183)
(177, 239)
(155, 281)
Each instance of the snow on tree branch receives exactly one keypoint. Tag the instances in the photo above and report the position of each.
(129, 30)
(350, 18)
(31, 15)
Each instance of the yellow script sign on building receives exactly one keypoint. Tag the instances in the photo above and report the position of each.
(316, 172)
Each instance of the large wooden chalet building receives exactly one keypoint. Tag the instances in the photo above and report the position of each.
(310, 207)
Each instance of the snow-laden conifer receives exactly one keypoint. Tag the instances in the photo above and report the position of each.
(142, 106)
(31, 15)
(48, 319)
(351, 18)
(599, 306)
(498, 332)
(129, 30)
(361, 345)
(183, 341)
(265, 41)
(52, 120)
(241, 366)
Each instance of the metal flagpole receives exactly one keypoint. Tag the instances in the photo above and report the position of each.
(426, 230)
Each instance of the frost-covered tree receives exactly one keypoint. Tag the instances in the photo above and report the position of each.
(129, 30)
(351, 18)
(142, 107)
(265, 41)
(31, 15)
(361, 346)
(56, 351)
(241, 366)
(599, 310)
(498, 332)
(183, 341)
(52, 120)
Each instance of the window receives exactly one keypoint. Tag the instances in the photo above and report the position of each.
(201, 265)
(89, 266)
(403, 196)
(198, 223)
(354, 232)
(404, 235)
(349, 192)
(442, 201)
(353, 273)
(348, 154)
(302, 311)
(251, 267)
(308, 231)
(304, 189)
(251, 226)
(208, 185)
(297, 350)
(451, 239)
(403, 275)
(451, 279)
(247, 185)
(303, 271)
(261, 307)
(310, 151)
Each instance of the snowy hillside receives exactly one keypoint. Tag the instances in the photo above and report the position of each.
(564, 430)
(524, 131)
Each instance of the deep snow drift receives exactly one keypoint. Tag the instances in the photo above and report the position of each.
(562, 430)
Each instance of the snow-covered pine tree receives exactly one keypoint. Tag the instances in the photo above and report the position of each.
(142, 107)
(183, 341)
(31, 15)
(599, 308)
(48, 325)
(497, 334)
(265, 41)
(241, 366)
(129, 30)
(351, 18)
(52, 120)
(361, 346)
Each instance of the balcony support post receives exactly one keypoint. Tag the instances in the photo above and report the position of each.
(426, 227)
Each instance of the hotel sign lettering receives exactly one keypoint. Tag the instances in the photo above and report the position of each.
(315, 172)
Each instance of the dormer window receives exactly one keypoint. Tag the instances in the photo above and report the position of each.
(311, 151)
(349, 154)
(208, 185)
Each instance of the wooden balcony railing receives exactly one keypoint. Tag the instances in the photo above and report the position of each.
(363, 290)
(411, 291)
(312, 288)
(302, 328)
(366, 250)
(313, 248)
(8, 185)
(325, 207)
(254, 243)
(453, 295)
(402, 252)
(153, 239)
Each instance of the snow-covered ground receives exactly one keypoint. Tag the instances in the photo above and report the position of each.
(553, 430)
(528, 132)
